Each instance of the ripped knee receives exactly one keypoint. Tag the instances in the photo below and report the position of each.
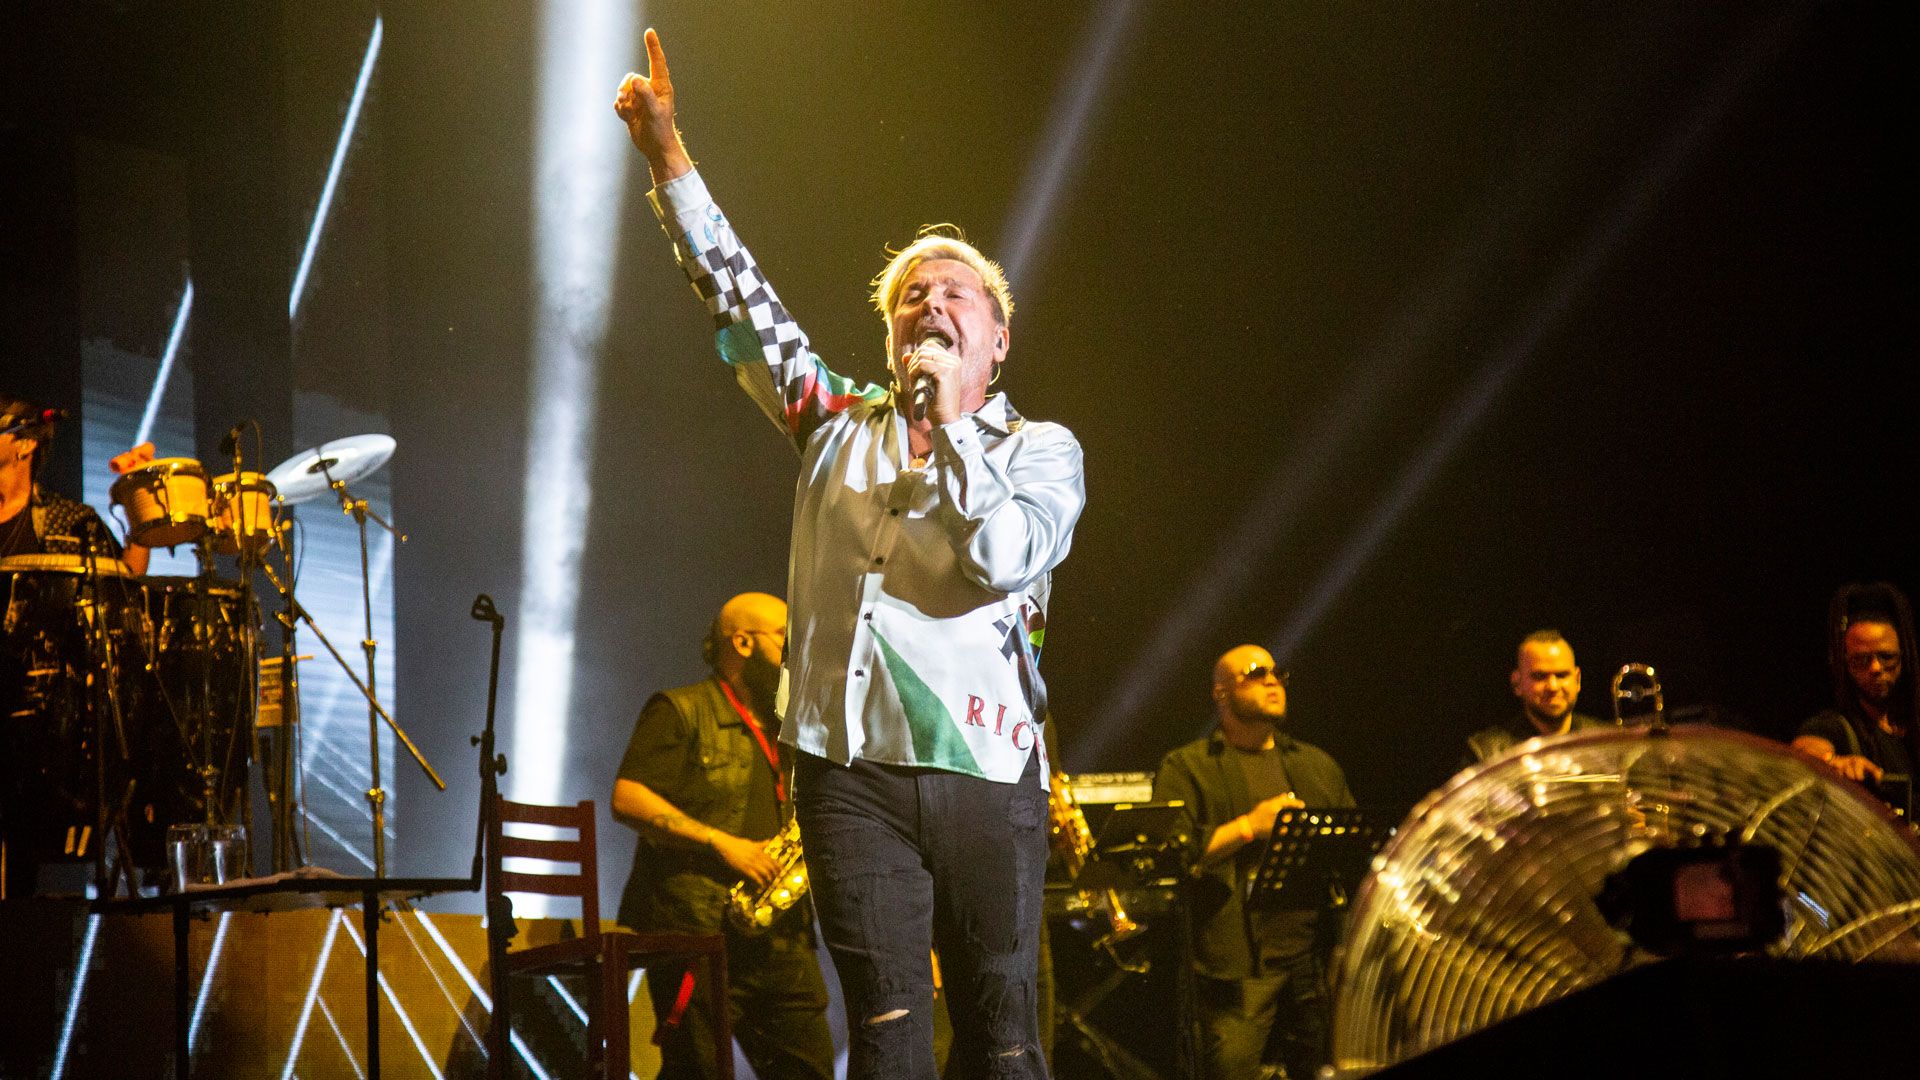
(1010, 1052)
(886, 1017)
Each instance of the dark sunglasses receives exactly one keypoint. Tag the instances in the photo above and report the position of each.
(1259, 673)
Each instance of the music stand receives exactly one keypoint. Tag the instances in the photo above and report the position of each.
(1314, 858)
(1140, 844)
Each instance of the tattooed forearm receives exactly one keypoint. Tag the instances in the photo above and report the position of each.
(679, 826)
(676, 824)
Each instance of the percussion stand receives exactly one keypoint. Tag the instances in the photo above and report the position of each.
(298, 611)
(241, 734)
(99, 637)
(203, 644)
(376, 795)
(281, 793)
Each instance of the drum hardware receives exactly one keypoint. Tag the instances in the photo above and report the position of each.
(69, 625)
(312, 473)
(167, 502)
(331, 466)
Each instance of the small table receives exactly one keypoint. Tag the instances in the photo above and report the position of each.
(283, 892)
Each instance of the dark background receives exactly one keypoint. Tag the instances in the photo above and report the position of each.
(1390, 335)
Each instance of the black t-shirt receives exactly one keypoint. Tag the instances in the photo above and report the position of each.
(16, 534)
(1278, 934)
(1890, 752)
(71, 528)
(1266, 773)
(1876, 745)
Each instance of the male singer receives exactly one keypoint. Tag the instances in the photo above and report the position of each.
(926, 522)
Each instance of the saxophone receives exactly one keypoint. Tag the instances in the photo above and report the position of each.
(752, 908)
(1073, 840)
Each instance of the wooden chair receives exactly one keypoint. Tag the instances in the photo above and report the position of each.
(607, 955)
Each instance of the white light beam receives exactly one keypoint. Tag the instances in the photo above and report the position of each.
(580, 175)
(166, 366)
(333, 170)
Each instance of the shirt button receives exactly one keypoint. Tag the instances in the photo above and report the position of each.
(893, 513)
(868, 616)
(859, 673)
(879, 559)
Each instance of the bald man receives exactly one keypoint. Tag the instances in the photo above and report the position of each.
(701, 783)
(1259, 984)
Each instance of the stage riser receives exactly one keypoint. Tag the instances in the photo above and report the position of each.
(285, 986)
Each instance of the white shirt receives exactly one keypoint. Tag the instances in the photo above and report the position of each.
(917, 597)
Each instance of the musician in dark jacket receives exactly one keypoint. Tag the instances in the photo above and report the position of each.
(1259, 985)
(702, 784)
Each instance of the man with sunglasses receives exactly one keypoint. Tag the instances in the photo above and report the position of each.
(1259, 981)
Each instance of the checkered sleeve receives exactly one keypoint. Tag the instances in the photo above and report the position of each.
(753, 330)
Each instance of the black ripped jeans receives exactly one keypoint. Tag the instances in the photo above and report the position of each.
(903, 858)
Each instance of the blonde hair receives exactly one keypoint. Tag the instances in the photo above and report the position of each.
(942, 242)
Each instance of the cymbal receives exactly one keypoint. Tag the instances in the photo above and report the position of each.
(305, 475)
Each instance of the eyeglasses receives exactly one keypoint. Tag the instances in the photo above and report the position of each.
(780, 633)
(1864, 661)
(1259, 673)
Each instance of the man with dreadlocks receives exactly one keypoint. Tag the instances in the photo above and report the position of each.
(1869, 734)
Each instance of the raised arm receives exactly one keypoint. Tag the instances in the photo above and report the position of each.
(645, 102)
(754, 332)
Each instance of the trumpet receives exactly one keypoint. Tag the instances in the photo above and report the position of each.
(1073, 840)
(753, 908)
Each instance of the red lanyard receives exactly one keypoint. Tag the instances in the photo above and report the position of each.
(773, 758)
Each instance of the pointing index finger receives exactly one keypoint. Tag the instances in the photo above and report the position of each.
(656, 58)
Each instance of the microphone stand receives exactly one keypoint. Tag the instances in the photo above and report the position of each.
(297, 610)
(376, 795)
(492, 766)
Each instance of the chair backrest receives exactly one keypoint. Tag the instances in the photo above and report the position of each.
(583, 885)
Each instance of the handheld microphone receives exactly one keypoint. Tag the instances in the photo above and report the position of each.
(923, 384)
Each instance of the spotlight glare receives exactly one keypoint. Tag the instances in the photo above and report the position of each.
(206, 980)
(313, 995)
(406, 1022)
(580, 177)
(73, 1000)
(1060, 147)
